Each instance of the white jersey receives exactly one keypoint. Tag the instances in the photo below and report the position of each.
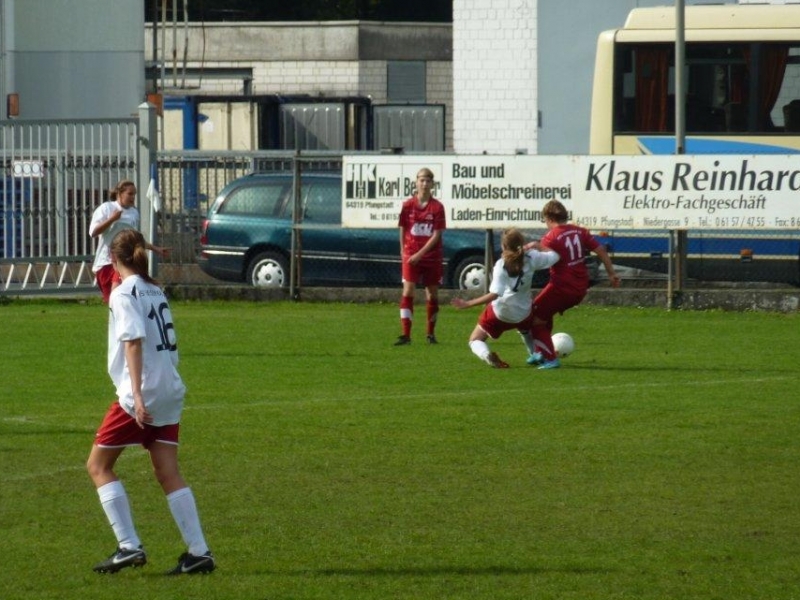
(513, 302)
(128, 220)
(139, 310)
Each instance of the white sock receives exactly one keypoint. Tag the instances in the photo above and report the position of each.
(529, 342)
(184, 511)
(115, 503)
(480, 349)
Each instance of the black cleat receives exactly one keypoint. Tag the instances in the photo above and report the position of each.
(403, 340)
(189, 564)
(432, 339)
(133, 557)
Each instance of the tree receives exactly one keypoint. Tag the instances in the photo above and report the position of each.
(305, 10)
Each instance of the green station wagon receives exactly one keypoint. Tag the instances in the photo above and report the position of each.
(246, 237)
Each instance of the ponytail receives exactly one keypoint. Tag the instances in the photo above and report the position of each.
(513, 251)
(130, 249)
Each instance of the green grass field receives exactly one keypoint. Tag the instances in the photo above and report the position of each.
(661, 461)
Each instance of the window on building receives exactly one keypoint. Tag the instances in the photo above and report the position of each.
(405, 81)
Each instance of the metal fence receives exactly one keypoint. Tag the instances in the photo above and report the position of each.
(275, 233)
(57, 173)
(189, 181)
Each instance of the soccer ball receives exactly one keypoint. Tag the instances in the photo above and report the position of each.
(564, 344)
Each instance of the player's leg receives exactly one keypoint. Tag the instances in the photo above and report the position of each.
(527, 339)
(524, 331)
(106, 278)
(548, 303)
(545, 305)
(198, 558)
(432, 276)
(117, 431)
(488, 326)
(407, 304)
(116, 506)
(432, 308)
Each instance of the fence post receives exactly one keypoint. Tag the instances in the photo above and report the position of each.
(60, 189)
(295, 260)
(148, 147)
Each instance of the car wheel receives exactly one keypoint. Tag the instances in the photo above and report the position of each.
(470, 274)
(268, 270)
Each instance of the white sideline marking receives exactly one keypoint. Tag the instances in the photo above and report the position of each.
(70, 468)
(505, 391)
(42, 474)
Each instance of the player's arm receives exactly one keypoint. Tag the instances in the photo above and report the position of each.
(133, 359)
(429, 245)
(162, 251)
(543, 259)
(485, 299)
(602, 254)
(103, 225)
(402, 239)
(533, 245)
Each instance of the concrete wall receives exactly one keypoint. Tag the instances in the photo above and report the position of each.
(72, 58)
(331, 58)
(187, 282)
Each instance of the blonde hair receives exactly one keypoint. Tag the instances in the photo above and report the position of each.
(129, 248)
(425, 172)
(513, 242)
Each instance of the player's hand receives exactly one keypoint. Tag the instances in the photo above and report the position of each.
(459, 302)
(615, 281)
(534, 245)
(142, 416)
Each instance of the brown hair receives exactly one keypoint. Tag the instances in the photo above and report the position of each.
(425, 172)
(513, 251)
(555, 211)
(129, 248)
(120, 187)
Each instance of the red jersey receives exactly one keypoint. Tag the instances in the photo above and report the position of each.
(419, 224)
(573, 244)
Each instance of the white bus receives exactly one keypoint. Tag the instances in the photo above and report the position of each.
(742, 84)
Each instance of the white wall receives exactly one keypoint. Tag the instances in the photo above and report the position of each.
(494, 76)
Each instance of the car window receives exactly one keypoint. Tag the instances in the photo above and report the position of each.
(323, 202)
(265, 199)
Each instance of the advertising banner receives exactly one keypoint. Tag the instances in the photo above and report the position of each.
(748, 192)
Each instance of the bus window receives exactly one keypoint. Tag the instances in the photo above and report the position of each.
(742, 81)
(729, 87)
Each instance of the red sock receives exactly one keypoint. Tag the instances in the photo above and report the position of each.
(433, 312)
(543, 341)
(406, 314)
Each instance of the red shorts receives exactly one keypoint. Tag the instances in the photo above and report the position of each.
(107, 279)
(552, 300)
(494, 327)
(423, 273)
(119, 429)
